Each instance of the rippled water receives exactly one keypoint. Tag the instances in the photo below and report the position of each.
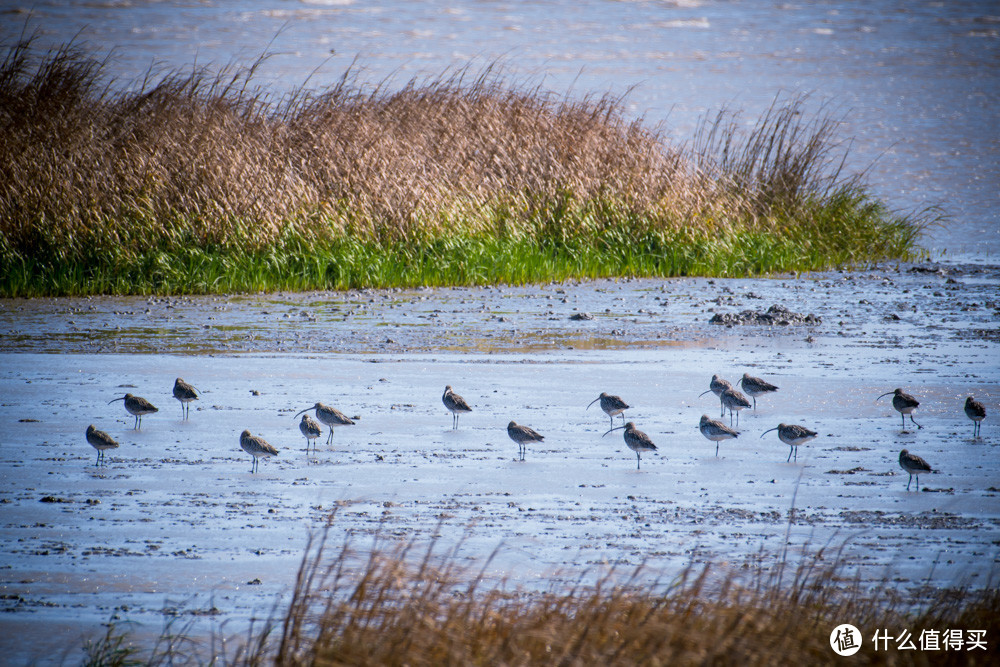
(918, 84)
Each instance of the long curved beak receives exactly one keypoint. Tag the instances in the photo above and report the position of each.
(616, 428)
(768, 431)
(116, 399)
(704, 392)
(886, 394)
(594, 401)
(306, 410)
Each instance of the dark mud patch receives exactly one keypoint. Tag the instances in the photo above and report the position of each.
(776, 315)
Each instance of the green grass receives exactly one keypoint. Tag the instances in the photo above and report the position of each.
(853, 233)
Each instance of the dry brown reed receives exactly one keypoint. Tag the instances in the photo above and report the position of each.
(96, 178)
(211, 151)
(392, 607)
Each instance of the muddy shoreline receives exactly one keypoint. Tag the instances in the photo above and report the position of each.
(176, 527)
(895, 302)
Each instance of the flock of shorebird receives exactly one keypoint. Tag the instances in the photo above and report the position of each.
(714, 430)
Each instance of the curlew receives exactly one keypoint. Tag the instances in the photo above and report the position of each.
(329, 416)
(975, 411)
(793, 436)
(914, 465)
(755, 387)
(734, 401)
(636, 440)
(455, 403)
(185, 393)
(612, 406)
(137, 406)
(310, 429)
(522, 435)
(717, 386)
(100, 441)
(904, 404)
(257, 447)
(716, 431)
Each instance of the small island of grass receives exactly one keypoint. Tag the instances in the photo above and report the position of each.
(202, 183)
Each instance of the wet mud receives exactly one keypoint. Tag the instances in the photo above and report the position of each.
(174, 528)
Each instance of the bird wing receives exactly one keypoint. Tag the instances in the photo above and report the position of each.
(801, 431)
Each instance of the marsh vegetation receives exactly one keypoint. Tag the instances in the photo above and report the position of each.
(198, 181)
(403, 603)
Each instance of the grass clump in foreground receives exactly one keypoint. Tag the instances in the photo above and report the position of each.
(202, 182)
(404, 606)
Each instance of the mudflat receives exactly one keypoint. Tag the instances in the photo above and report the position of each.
(174, 527)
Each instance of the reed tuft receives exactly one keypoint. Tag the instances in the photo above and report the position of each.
(404, 604)
(201, 181)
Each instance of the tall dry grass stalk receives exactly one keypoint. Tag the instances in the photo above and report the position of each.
(401, 605)
(421, 603)
(106, 175)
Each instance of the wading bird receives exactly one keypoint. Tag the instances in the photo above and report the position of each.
(257, 447)
(975, 411)
(716, 431)
(456, 404)
(755, 387)
(137, 406)
(100, 441)
(636, 440)
(717, 386)
(185, 393)
(904, 404)
(310, 429)
(914, 465)
(734, 401)
(329, 416)
(793, 436)
(612, 406)
(522, 435)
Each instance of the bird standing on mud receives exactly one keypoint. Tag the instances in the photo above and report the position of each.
(792, 435)
(522, 435)
(185, 393)
(904, 405)
(975, 411)
(755, 387)
(310, 429)
(914, 465)
(329, 416)
(612, 406)
(137, 406)
(734, 401)
(100, 441)
(717, 386)
(716, 431)
(455, 403)
(635, 440)
(257, 447)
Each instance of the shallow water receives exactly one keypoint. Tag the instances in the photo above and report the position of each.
(175, 527)
(917, 84)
